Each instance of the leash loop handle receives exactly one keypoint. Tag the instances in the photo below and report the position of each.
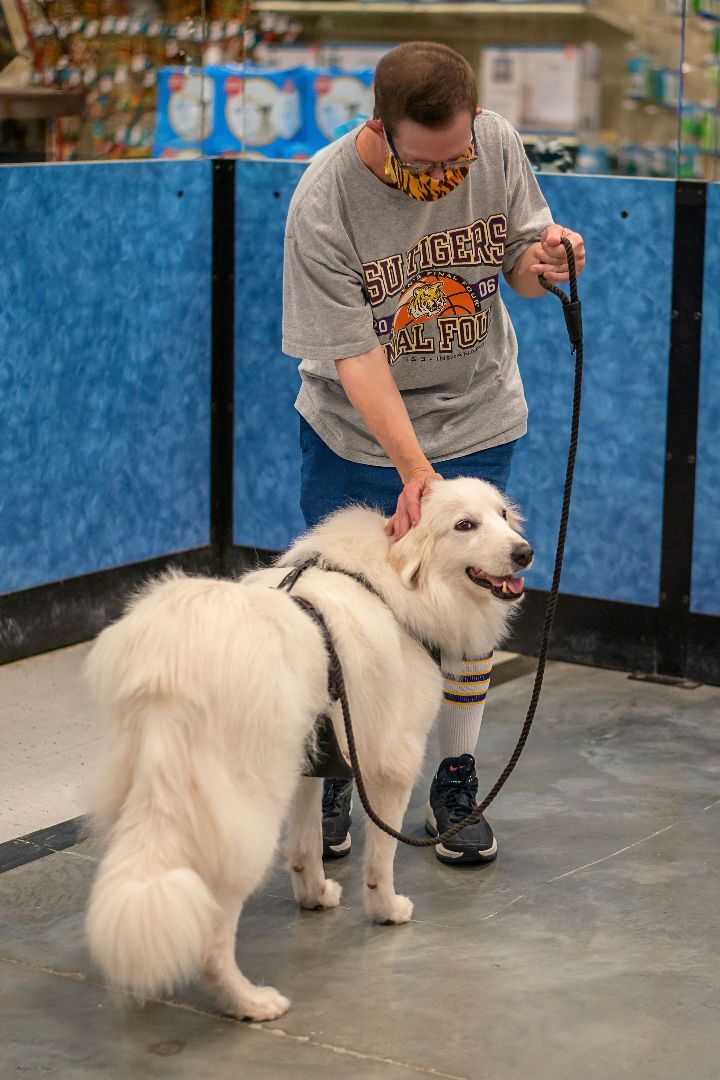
(572, 308)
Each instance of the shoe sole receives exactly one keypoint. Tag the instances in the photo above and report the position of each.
(338, 851)
(447, 855)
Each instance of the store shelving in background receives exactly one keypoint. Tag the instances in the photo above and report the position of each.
(114, 50)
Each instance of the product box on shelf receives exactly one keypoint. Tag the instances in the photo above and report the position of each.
(185, 112)
(548, 89)
(258, 112)
(234, 109)
(333, 99)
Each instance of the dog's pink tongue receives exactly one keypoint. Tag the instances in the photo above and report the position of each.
(515, 584)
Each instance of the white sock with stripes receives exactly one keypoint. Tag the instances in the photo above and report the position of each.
(465, 687)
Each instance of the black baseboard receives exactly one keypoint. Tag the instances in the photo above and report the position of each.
(37, 845)
(603, 633)
(66, 612)
(626, 637)
(703, 649)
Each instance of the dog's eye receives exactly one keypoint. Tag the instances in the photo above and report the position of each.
(466, 526)
(503, 514)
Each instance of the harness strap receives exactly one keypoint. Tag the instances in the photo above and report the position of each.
(328, 759)
(289, 580)
(317, 618)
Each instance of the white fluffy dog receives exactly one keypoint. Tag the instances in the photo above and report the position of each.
(210, 686)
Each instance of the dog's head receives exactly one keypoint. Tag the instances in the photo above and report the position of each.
(468, 533)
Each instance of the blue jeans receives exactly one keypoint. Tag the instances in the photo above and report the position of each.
(329, 482)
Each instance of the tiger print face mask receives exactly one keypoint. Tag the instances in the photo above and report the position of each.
(421, 186)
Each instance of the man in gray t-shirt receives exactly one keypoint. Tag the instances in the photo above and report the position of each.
(396, 237)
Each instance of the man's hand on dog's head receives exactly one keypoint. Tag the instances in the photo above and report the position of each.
(407, 513)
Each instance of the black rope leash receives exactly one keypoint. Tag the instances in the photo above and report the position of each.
(573, 321)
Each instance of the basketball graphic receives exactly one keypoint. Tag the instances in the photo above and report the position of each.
(430, 296)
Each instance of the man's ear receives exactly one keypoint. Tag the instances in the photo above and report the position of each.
(410, 556)
(375, 126)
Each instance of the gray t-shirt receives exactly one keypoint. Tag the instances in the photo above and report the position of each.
(366, 263)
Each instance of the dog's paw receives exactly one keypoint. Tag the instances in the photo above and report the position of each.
(398, 910)
(265, 1003)
(328, 898)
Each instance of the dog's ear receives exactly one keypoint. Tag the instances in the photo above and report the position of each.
(410, 555)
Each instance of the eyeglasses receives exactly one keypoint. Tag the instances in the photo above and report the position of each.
(418, 167)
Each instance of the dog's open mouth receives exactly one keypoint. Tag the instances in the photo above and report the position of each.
(504, 588)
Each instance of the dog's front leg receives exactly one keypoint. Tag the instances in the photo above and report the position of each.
(304, 849)
(389, 800)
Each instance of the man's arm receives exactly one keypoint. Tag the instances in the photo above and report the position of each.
(371, 389)
(547, 257)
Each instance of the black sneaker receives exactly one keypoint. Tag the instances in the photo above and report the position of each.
(336, 807)
(452, 797)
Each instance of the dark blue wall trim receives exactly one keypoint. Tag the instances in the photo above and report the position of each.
(681, 428)
(223, 355)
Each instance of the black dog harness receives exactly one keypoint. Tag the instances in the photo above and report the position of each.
(328, 759)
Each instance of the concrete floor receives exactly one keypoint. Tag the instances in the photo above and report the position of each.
(588, 950)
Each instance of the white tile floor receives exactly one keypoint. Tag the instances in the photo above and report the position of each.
(49, 735)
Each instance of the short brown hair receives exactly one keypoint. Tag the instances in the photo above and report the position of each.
(425, 82)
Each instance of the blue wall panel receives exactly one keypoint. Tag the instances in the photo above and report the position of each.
(105, 367)
(267, 459)
(614, 543)
(614, 536)
(705, 593)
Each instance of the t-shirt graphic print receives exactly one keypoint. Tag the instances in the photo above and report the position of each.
(437, 312)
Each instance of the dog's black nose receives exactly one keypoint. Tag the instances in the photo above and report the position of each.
(522, 555)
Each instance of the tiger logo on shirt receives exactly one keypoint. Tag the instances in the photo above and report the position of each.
(427, 301)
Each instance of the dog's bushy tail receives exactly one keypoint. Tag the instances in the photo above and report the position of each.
(151, 916)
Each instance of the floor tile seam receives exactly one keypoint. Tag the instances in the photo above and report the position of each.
(308, 1039)
(84, 979)
(541, 884)
(634, 844)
